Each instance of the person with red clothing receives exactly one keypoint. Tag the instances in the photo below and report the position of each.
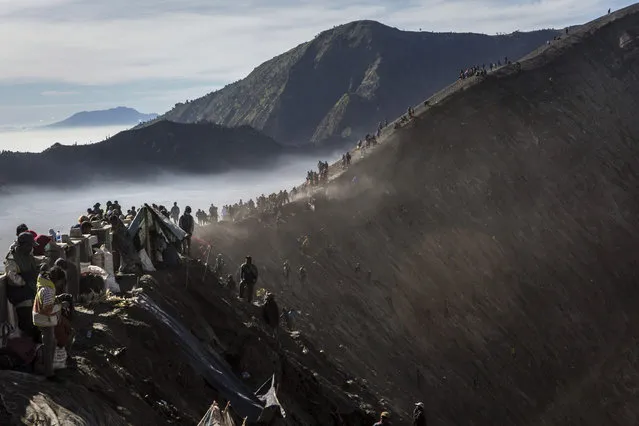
(42, 241)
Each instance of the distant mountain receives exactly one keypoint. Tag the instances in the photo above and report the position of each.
(162, 147)
(107, 117)
(348, 79)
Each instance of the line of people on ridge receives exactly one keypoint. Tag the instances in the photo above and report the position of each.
(482, 70)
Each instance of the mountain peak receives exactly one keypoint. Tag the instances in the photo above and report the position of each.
(120, 115)
(340, 85)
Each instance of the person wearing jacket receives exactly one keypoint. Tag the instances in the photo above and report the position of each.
(187, 224)
(384, 419)
(175, 213)
(419, 416)
(46, 308)
(22, 271)
(248, 278)
(271, 313)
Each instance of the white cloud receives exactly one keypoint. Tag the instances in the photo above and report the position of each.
(106, 42)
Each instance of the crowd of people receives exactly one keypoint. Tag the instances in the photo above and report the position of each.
(42, 297)
(477, 70)
(263, 205)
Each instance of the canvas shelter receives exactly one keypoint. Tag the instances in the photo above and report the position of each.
(148, 220)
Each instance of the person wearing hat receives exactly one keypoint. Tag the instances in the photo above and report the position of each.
(419, 416)
(22, 271)
(384, 419)
(187, 224)
(248, 279)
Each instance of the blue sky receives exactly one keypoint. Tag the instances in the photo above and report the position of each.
(63, 56)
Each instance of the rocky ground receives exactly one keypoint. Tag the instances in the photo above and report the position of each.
(133, 370)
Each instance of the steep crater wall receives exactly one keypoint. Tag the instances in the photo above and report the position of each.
(500, 234)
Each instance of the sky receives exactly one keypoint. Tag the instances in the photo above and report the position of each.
(63, 56)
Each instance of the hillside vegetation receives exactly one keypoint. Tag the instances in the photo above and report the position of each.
(500, 232)
(344, 82)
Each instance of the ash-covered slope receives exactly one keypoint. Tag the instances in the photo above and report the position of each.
(500, 232)
(348, 79)
(138, 368)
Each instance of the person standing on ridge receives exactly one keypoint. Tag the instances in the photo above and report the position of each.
(271, 313)
(218, 269)
(419, 416)
(248, 278)
(187, 224)
(302, 274)
(213, 213)
(22, 271)
(175, 212)
(286, 269)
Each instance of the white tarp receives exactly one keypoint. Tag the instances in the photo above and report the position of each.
(216, 417)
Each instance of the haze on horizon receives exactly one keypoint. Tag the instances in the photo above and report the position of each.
(37, 140)
(63, 206)
(149, 55)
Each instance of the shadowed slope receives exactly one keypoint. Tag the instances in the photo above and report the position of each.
(500, 231)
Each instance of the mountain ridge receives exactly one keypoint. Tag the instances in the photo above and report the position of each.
(107, 117)
(339, 85)
(197, 148)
